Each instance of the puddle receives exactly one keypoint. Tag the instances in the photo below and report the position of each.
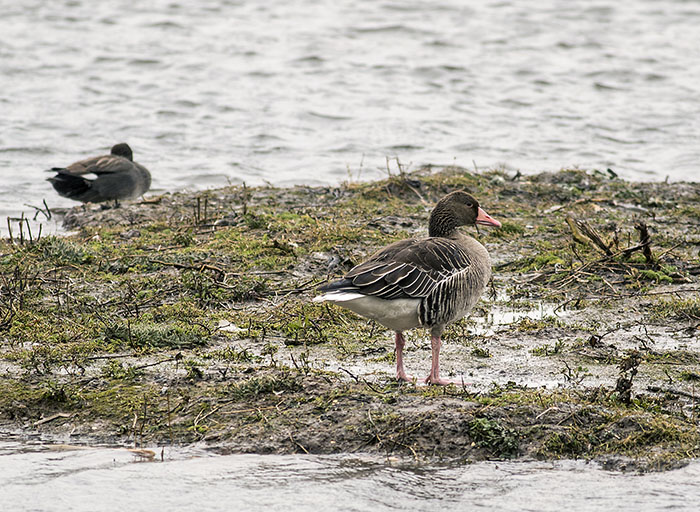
(500, 314)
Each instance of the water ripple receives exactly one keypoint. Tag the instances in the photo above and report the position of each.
(42, 477)
(523, 85)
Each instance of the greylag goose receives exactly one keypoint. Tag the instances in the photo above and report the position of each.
(428, 282)
(118, 177)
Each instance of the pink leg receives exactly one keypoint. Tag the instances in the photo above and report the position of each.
(400, 372)
(434, 376)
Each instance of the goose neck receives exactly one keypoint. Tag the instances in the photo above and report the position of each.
(442, 223)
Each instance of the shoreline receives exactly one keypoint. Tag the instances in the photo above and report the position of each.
(186, 318)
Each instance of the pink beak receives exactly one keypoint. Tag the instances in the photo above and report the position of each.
(485, 219)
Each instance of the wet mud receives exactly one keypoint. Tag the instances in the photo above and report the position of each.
(187, 318)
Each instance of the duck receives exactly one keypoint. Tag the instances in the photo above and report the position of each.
(421, 282)
(118, 177)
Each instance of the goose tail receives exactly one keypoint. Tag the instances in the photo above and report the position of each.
(338, 296)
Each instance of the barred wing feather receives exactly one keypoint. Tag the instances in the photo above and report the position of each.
(406, 269)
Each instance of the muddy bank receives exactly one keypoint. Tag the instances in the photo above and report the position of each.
(187, 318)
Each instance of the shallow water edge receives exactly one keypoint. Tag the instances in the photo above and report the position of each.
(59, 477)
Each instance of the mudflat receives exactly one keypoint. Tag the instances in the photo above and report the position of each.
(187, 318)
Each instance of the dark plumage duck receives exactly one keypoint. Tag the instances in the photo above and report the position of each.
(118, 177)
(429, 282)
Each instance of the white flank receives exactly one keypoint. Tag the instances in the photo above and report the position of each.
(395, 314)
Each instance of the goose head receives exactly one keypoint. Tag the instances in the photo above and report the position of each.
(458, 209)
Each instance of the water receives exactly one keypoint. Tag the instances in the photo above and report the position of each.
(502, 313)
(45, 478)
(320, 91)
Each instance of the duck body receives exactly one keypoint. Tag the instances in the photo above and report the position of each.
(427, 282)
(117, 177)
